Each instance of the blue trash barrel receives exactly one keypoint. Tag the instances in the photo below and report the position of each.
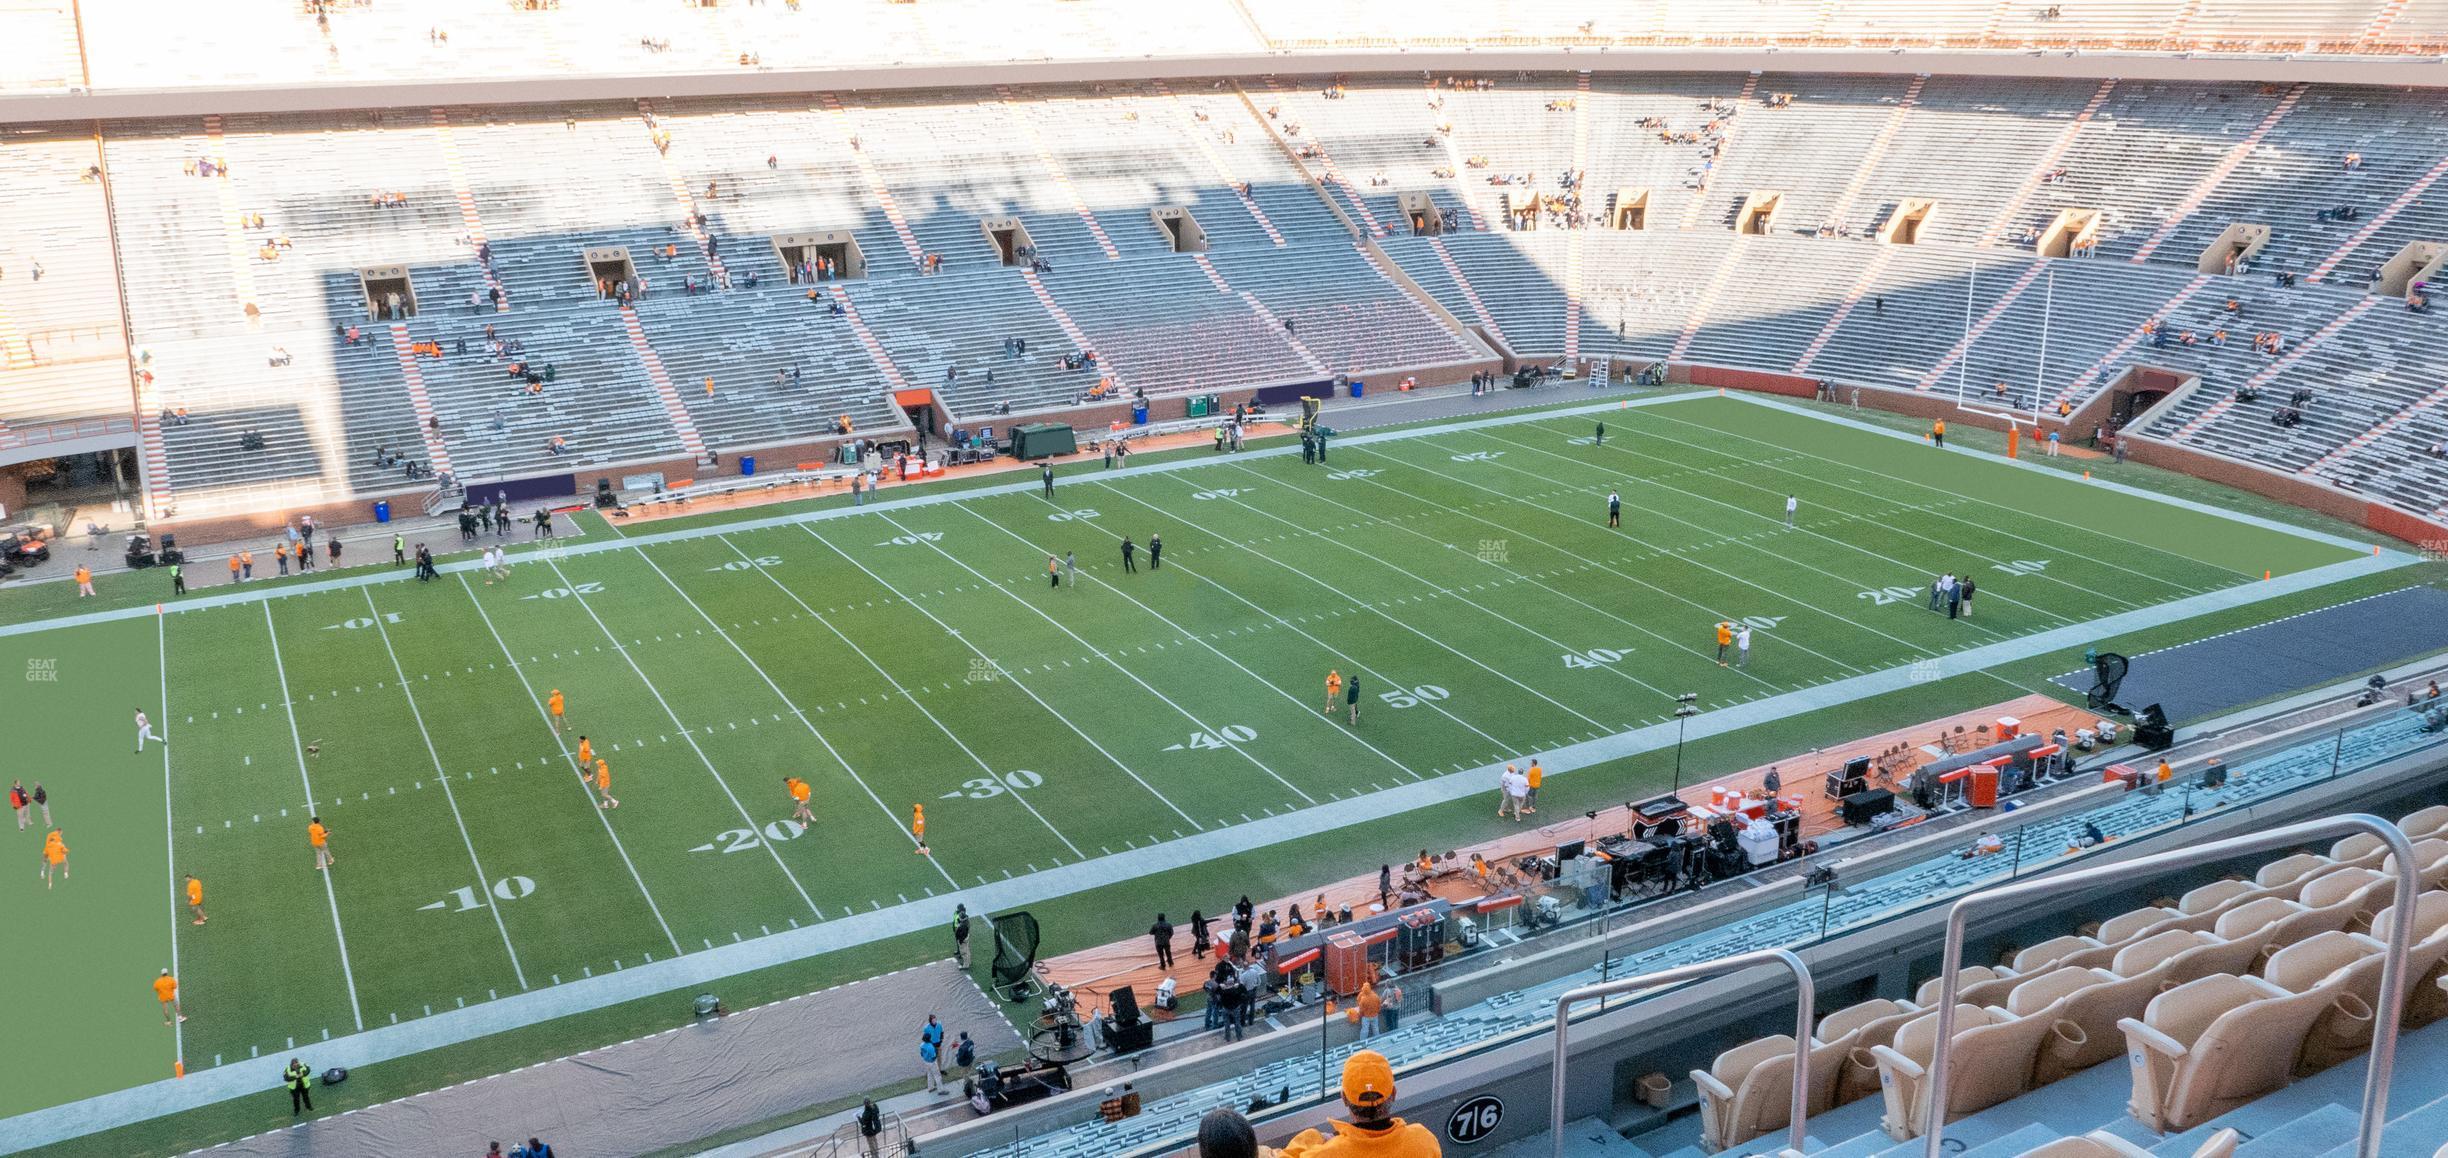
(1139, 414)
(1357, 386)
(382, 511)
(747, 465)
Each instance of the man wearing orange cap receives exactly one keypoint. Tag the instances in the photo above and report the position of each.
(1368, 1092)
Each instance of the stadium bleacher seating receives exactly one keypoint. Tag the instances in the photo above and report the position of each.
(2165, 945)
(244, 326)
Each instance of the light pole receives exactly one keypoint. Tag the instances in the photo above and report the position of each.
(1686, 706)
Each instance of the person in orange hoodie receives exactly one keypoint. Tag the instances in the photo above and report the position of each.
(84, 581)
(1370, 1006)
(1374, 1131)
(1938, 434)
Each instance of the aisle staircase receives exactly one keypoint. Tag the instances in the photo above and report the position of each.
(875, 349)
(2048, 161)
(2403, 200)
(1844, 309)
(2218, 173)
(2082, 383)
(1572, 245)
(1997, 309)
(2284, 362)
(874, 181)
(682, 424)
(464, 193)
(437, 453)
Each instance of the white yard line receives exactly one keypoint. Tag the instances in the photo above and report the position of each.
(247, 1077)
(2052, 618)
(1297, 702)
(1296, 629)
(161, 644)
(890, 817)
(1001, 673)
(297, 745)
(688, 734)
(1817, 480)
(1424, 582)
(1514, 531)
(484, 880)
(583, 795)
(1218, 732)
(1682, 557)
(905, 693)
(2084, 532)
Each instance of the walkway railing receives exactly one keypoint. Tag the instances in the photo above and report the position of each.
(2392, 970)
(1803, 1023)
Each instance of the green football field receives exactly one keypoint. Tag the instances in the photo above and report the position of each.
(913, 653)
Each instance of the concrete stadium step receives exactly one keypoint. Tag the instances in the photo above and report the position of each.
(1584, 1138)
(2013, 1145)
(2414, 1134)
(2421, 1056)
(2072, 1106)
(2304, 1135)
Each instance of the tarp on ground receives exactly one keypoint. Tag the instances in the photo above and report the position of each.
(673, 1087)
(2210, 677)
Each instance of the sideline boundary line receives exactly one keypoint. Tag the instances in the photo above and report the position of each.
(254, 1075)
(2125, 489)
(1458, 426)
(161, 643)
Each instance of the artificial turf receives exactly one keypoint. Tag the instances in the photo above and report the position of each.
(911, 655)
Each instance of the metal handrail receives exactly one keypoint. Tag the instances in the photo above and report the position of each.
(1803, 1022)
(2392, 970)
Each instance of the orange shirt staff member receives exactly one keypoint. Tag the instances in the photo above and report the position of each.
(1938, 433)
(555, 705)
(1334, 689)
(84, 580)
(918, 827)
(165, 988)
(195, 897)
(54, 857)
(603, 786)
(319, 837)
(799, 793)
(1725, 639)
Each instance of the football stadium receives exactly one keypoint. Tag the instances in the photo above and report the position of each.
(843, 578)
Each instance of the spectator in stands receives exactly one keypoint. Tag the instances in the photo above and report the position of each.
(1224, 1133)
(1986, 844)
(1368, 1092)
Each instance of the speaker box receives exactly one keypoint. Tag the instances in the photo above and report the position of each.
(1861, 806)
(1125, 1006)
(1134, 1037)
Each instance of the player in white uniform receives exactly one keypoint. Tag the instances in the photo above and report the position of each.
(144, 732)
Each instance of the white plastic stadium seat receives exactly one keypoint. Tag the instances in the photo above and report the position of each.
(2216, 1043)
